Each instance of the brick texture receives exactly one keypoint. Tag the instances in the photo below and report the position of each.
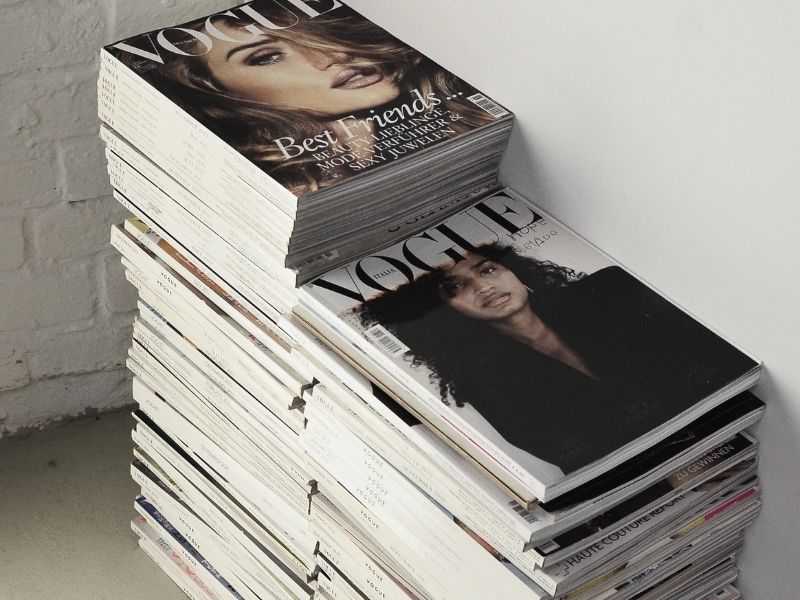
(67, 395)
(11, 232)
(14, 371)
(66, 231)
(29, 183)
(65, 307)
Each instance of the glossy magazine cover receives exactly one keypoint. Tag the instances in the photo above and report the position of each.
(519, 331)
(310, 91)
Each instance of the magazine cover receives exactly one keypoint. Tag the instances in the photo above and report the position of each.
(310, 91)
(517, 329)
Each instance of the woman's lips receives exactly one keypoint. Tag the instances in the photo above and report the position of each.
(496, 300)
(356, 78)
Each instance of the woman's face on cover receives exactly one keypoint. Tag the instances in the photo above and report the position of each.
(483, 289)
(286, 75)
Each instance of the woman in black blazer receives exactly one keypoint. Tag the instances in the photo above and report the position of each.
(564, 366)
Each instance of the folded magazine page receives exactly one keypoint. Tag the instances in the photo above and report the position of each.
(527, 339)
(311, 92)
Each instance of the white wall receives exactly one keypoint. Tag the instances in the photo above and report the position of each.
(65, 307)
(668, 134)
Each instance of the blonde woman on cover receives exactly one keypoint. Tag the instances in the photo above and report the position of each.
(297, 81)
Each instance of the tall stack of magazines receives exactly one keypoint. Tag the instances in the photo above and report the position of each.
(364, 369)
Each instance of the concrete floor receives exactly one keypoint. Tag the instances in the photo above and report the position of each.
(66, 501)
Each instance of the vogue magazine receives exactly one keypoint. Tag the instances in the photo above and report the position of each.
(527, 339)
(310, 91)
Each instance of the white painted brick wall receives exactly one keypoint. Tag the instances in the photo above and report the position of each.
(65, 307)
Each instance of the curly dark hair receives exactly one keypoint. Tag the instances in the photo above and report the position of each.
(442, 338)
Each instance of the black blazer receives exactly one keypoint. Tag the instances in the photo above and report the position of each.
(650, 359)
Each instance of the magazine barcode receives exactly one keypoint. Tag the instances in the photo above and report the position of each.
(530, 518)
(487, 104)
(390, 344)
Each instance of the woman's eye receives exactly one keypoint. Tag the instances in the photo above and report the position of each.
(265, 58)
(488, 270)
(451, 289)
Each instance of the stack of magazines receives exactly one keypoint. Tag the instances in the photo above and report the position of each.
(463, 400)
(308, 133)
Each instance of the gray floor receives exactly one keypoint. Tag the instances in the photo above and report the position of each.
(66, 501)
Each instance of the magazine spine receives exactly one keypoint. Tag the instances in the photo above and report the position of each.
(261, 325)
(209, 542)
(734, 450)
(205, 571)
(616, 545)
(196, 238)
(431, 470)
(334, 584)
(228, 238)
(697, 541)
(442, 570)
(260, 425)
(261, 306)
(230, 205)
(219, 229)
(260, 497)
(390, 497)
(191, 585)
(233, 530)
(421, 572)
(231, 270)
(212, 531)
(159, 278)
(271, 393)
(133, 101)
(227, 434)
(521, 487)
(346, 556)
